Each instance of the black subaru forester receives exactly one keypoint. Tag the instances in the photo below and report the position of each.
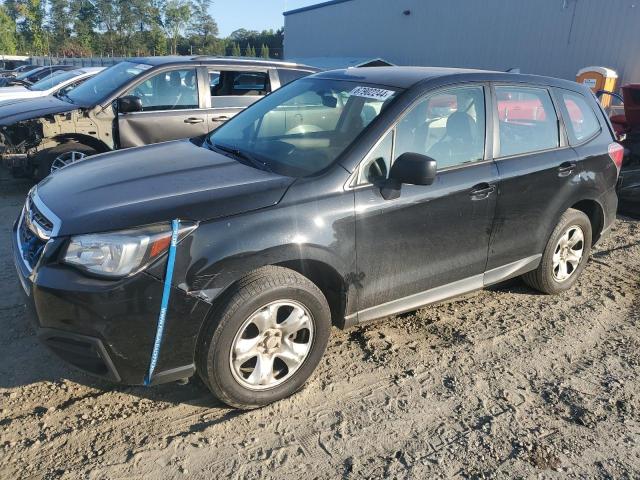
(342, 198)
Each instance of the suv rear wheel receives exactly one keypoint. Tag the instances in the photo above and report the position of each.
(265, 339)
(565, 255)
(52, 159)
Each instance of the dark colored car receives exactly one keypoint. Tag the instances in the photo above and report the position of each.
(34, 75)
(134, 103)
(12, 73)
(342, 198)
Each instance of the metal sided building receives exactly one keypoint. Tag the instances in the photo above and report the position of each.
(546, 37)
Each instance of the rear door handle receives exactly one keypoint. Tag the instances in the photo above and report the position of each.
(221, 118)
(194, 120)
(566, 168)
(482, 191)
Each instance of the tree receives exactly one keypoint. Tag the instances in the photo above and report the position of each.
(249, 51)
(59, 22)
(157, 41)
(264, 51)
(235, 50)
(84, 14)
(203, 27)
(32, 13)
(176, 18)
(7, 32)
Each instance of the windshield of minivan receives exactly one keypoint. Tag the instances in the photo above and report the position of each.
(303, 127)
(50, 82)
(98, 88)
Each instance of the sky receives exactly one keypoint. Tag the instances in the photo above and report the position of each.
(253, 14)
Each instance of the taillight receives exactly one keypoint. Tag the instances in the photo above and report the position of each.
(616, 152)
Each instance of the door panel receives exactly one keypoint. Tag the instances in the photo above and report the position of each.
(143, 128)
(533, 186)
(171, 109)
(233, 90)
(427, 237)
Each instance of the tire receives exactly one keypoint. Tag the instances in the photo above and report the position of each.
(257, 296)
(44, 161)
(548, 277)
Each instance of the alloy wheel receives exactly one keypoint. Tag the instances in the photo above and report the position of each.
(568, 253)
(67, 158)
(271, 345)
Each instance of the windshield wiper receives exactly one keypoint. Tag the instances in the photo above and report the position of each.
(236, 152)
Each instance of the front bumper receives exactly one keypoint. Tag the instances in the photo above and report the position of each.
(107, 328)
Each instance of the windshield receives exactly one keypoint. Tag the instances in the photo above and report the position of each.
(106, 82)
(59, 77)
(303, 127)
(24, 75)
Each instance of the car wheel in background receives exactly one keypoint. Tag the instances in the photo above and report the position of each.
(53, 159)
(265, 338)
(565, 255)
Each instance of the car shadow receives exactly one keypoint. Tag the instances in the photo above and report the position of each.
(25, 361)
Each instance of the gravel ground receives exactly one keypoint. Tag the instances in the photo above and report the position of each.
(505, 383)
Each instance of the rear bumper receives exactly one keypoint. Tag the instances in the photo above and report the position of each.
(107, 328)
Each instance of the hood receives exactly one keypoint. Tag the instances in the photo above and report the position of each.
(8, 91)
(19, 94)
(12, 111)
(156, 183)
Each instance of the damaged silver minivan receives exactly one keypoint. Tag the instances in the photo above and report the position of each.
(133, 103)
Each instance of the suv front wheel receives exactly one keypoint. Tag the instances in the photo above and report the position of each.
(565, 255)
(265, 339)
(52, 159)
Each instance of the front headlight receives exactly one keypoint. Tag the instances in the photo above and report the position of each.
(122, 253)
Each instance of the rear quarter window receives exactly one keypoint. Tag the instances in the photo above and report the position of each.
(580, 119)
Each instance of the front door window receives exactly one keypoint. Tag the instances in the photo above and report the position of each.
(169, 90)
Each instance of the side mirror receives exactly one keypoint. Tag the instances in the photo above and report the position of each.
(129, 104)
(413, 169)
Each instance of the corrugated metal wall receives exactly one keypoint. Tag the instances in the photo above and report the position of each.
(546, 37)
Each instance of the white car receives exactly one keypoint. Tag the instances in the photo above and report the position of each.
(59, 82)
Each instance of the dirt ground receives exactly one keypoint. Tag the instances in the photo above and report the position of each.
(506, 383)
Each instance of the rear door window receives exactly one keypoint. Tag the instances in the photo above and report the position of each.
(237, 89)
(527, 120)
(580, 119)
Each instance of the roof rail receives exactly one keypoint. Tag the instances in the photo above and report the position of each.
(243, 59)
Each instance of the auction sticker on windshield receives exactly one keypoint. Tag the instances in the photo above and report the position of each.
(370, 92)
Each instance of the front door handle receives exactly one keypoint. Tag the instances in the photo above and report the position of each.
(221, 118)
(481, 191)
(566, 168)
(194, 120)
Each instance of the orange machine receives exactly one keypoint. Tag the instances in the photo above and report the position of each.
(599, 78)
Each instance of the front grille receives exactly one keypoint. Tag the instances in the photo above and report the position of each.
(38, 217)
(33, 232)
(31, 246)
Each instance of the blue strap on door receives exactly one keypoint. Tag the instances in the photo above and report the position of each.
(166, 293)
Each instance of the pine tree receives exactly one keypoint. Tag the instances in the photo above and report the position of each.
(235, 50)
(264, 51)
(7, 32)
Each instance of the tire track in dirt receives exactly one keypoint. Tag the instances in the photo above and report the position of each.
(504, 383)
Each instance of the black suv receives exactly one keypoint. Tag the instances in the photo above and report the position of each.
(342, 198)
(134, 103)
